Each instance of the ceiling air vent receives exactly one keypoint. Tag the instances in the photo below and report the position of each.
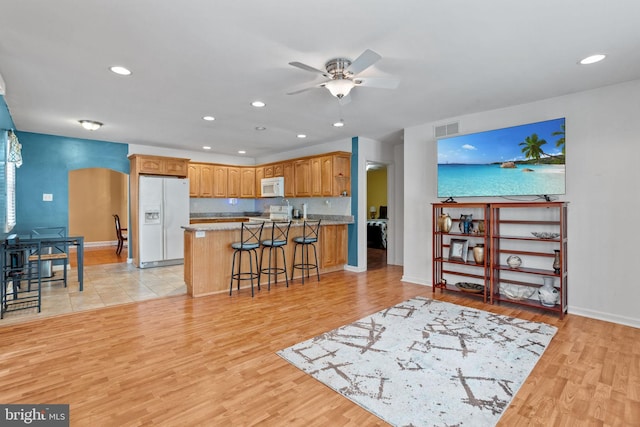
(446, 130)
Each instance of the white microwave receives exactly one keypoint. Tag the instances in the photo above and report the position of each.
(272, 187)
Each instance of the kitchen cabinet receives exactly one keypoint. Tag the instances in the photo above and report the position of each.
(289, 179)
(200, 180)
(268, 171)
(259, 176)
(157, 165)
(247, 182)
(326, 176)
(220, 179)
(233, 181)
(333, 240)
(341, 184)
(302, 174)
(278, 169)
(316, 176)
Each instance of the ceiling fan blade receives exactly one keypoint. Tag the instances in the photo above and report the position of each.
(306, 88)
(379, 82)
(308, 68)
(362, 62)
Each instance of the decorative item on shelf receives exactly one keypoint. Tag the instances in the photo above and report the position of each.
(444, 223)
(458, 250)
(514, 261)
(481, 227)
(516, 292)
(372, 212)
(478, 253)
(474, 288)
(556, 261)
(547, 293)
(544, 235)
(466, 223)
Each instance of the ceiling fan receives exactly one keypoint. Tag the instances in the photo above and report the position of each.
(342, 75)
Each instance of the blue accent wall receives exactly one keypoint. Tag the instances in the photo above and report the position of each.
(47, 162)
(352, 229)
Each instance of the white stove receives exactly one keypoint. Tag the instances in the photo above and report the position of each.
(280, 213)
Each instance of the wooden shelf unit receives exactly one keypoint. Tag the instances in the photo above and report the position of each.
(445, 270)
(508, 228)
(511, 228)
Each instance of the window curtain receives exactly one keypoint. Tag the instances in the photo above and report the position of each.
(15, 150)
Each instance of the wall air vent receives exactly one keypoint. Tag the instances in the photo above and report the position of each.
(446, 130)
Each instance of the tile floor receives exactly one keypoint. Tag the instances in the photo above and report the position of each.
(104, 285)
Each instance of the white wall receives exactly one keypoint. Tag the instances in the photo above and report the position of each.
(603, 152)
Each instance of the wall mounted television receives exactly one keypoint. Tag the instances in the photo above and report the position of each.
(524, 160)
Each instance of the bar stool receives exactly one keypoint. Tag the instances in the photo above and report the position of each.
(250, 235)
(279, 239)
(310, 233)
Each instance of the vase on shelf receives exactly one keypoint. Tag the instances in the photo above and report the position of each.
(481, 227)
(478, 253)
(547, 293)
(444, 223)
(466, 223)
(556, 261)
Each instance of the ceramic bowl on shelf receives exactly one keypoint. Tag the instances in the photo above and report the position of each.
(474, 288)
(545, 235)
(516, 292)
(514, 261)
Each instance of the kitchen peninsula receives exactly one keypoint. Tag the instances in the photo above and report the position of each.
(208, 253)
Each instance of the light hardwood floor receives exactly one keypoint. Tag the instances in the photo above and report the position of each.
(211, 361)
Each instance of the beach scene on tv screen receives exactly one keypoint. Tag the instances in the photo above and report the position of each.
(522, 160)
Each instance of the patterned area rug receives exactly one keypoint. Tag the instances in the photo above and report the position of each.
(426, 362)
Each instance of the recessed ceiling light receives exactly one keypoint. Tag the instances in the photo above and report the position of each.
(339, 124)
(302, 135)
(261, 128)
(209, 118)
(242, 152)
(258, 104)
(592, 59)
(90, 124)
(120, 70)
(206, 147)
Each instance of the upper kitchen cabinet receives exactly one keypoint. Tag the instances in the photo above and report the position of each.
(302, 174)
(258, 182)
(220, 179)
(200, 180)
(278, 169)
(341, 163)
(233, 183)
(156, 165)
(289, 179)
(316, 176)
(247, 182)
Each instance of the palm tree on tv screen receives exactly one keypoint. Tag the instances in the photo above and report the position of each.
(532, 147)
(560, 142)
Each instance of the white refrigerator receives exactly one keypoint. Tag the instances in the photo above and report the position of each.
(163, 210)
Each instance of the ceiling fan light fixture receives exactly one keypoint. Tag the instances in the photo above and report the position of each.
(90, 124)
(340, 87)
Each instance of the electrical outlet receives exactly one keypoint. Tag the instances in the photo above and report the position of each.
(47, 197)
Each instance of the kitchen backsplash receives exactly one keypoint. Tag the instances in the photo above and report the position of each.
(315, 205)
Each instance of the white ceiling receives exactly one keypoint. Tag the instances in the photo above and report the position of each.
(192, 58)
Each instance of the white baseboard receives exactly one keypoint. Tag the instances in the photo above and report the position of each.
(354, 269)
(415, 280)
(607, 317)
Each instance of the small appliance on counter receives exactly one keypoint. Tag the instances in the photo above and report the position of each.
(280, 213)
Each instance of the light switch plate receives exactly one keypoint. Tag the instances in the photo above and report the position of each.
(47, 197)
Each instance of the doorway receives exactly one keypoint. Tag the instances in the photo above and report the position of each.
(377, 206)
(95, 195)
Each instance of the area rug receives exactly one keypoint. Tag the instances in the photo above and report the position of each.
(426, 362)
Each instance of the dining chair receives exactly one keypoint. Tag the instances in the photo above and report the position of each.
(54, 246)
(121, 234)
